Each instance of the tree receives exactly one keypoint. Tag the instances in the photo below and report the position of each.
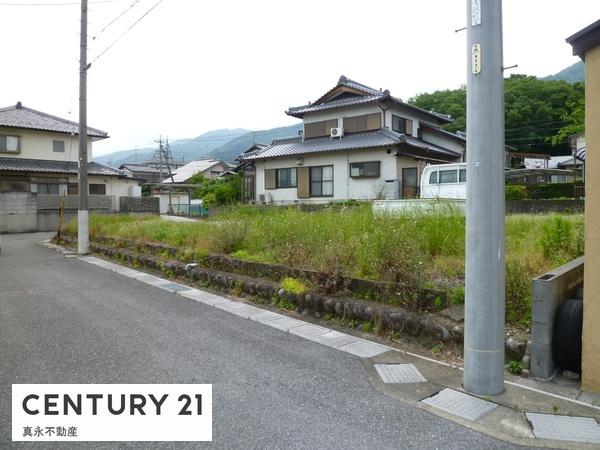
(539, 114)
(217, 191)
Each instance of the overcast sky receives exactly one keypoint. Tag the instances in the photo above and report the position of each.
(192, 66)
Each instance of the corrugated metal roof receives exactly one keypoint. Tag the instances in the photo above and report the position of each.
(184, 173)
(374, 139)
(19, 116)
(49, 166)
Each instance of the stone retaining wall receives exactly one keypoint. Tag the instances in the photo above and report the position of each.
(388, 317)
(330, 283)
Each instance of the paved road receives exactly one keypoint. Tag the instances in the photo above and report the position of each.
(65, 321)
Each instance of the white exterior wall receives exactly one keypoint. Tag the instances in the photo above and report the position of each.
(344, 187)
(38, 145)
(443, 141)
(176, 199)
(116, 187)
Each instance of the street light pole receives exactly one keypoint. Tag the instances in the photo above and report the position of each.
(484, 303)
(82, 214)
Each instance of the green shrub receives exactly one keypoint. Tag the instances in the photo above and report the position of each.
(516, 192)
(457, 295)
(515, 367)
(293, 286)
(561, 240)
(229, 237)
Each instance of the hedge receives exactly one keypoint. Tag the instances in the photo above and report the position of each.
(540, 191)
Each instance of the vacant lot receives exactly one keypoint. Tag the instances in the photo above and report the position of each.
(425, 250)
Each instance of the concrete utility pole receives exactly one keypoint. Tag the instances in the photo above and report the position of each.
(484, 305)
(82, 216)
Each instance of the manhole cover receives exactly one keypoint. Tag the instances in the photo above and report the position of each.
(460, 404)
(399, 373)
(565, 428)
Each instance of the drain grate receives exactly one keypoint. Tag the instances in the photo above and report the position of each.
(565, 428)
(399, 373)
(460, 404)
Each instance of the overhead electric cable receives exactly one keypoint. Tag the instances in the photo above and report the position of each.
(125, 32)
(115, 19)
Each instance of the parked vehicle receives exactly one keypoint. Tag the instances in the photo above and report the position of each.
(444, 181)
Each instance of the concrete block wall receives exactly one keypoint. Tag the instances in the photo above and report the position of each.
(22, 212)
(18, 212)
(549, 291)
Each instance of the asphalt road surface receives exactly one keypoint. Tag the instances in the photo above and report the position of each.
(66, 321)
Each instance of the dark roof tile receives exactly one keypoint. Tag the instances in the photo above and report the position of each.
(19, 116)
(49, 166)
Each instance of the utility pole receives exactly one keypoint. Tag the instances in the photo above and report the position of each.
(484, 305)
(82, 214)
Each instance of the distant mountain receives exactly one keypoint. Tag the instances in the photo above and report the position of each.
(225, 144)
(233, 148)
(188, 149)
(571, 74)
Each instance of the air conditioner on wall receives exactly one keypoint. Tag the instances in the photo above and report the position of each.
(337, 132)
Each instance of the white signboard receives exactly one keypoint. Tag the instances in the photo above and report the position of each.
(475, 12)
(476, 59)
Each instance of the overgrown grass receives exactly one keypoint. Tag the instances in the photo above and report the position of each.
(416, 250)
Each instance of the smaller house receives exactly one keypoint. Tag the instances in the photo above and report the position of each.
(174, 191)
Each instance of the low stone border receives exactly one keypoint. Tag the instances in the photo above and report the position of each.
(331, 283)
(391, 318)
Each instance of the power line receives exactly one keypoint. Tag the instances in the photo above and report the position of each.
(115, 19)
(126, 31)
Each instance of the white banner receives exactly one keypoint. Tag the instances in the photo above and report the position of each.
(111, 412)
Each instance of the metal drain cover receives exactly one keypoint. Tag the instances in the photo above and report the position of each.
(565, 428)
(399, 373)
(460, 404)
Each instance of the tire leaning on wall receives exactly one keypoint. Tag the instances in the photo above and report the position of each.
(566, 341)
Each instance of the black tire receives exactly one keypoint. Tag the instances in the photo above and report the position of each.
(566, 341)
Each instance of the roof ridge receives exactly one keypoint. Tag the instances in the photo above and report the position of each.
(345, 80)
(19, 106)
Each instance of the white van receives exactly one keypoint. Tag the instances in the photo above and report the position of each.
(444, 181)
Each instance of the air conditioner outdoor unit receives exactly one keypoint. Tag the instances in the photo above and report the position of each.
(337, 132)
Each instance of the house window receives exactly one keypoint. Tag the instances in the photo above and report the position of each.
(448, 176)
(14, 185)
(10, 144)
(319, 129)
(462, 178)
(402, 125)
(48, 188)
(321, 181)
(365, 169)
(58, 146)
(433, 178)
(97, 189)
(286, 178)
(359, 124)
(73, 189)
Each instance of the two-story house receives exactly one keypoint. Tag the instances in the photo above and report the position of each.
(357, 143)
(39, 162)
(39, 154)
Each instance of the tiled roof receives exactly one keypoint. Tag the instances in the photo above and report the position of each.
(371, 95)
(49, 166)
(381, 138)
(299, 111)
(184, 173)
(140, 168)
(19, 116)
